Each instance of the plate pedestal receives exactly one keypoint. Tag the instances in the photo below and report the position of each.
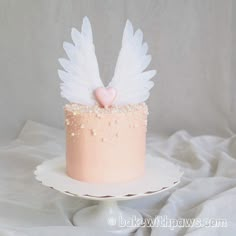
(160, 175)
(108, 216)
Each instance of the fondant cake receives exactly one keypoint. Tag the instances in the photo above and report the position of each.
(105, 145)
(105, 126)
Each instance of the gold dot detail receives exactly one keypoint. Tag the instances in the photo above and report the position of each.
(93, 132)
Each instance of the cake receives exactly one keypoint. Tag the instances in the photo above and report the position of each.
(105, 126)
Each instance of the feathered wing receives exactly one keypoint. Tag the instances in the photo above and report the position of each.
(81, 73)
(130, 81)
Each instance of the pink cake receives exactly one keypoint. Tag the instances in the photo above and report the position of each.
(105, 145)
(105, 125)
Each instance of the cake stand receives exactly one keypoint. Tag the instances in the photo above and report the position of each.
(160, 175)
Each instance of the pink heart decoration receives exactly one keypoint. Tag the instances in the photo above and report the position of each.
(105, 96)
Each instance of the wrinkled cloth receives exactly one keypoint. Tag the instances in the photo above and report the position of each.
(207, 189)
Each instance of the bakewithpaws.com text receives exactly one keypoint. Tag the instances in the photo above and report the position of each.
(165, 221)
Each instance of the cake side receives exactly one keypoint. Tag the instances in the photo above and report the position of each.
(105, 145)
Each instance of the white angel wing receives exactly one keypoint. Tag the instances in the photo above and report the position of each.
(129, 80)
(81, 76)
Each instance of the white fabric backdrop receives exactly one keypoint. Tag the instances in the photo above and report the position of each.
(192, 43)
(207, 190)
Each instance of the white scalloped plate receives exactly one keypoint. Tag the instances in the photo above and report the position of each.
(160, 175)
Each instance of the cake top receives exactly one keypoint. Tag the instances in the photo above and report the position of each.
(81, 82)
(77, 109)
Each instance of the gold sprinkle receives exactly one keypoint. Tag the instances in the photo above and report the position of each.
(81, 126)
(72, 134)
(93, 132)
(67, 122)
